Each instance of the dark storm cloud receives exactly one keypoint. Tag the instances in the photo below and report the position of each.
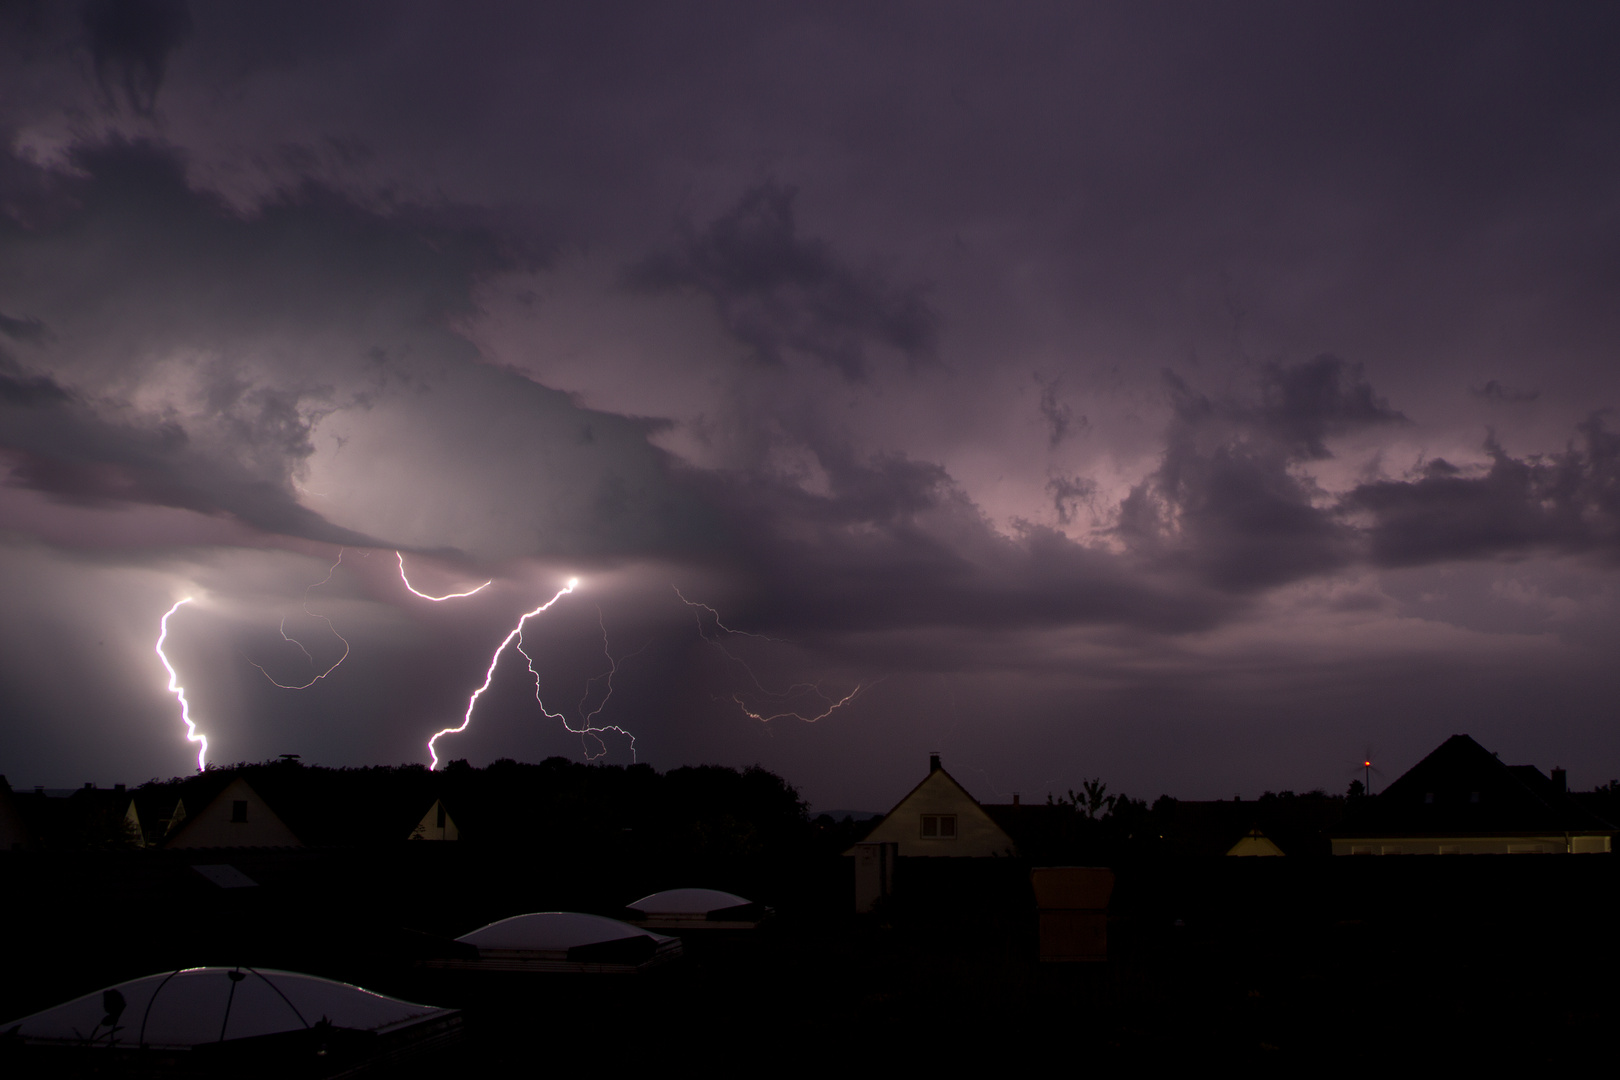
(780, 293)
(60, 446)
(130, 42)
(987, 192)
(1303, 404)
(896, 544)
(1568, 501)
(1497, 391)
(21, 329)
(18, 387)
(215, 345)
(1057, 414)
(1223, 499)
(1068, 493)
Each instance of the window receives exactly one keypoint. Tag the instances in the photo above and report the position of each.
(939, 826)
(239, 812)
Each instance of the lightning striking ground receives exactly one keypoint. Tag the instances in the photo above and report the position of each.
(489, 675)
(300, 644)
(797, 689)
(179, 691)
(435, 599)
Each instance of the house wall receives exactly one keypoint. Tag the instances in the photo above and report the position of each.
(212, 825)
(977, 836)
(430, 829)
(1558, 844)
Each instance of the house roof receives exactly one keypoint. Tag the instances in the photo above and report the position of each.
(1462, 789)
(977, 833)
(322, 807)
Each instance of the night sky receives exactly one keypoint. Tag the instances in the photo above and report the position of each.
(1198, 396)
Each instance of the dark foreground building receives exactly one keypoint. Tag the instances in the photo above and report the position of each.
(1461, 800)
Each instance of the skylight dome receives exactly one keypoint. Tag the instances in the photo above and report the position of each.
(208, 1007)
(691, 909)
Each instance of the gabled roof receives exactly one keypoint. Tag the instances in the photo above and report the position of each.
(939, 793)
(218, 825)
(1462, 789)
(1255, 843)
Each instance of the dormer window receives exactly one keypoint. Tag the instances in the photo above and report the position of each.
(939, 826)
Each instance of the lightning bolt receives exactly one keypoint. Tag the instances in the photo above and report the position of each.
(494, 661)
(717, 622)
(587, 731)
(793, 690)
(446, 596)
(176, 689)
(300, 644)
(832, 708)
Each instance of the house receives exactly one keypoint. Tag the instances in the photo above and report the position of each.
(939, 819)
(1254, 843)
(1462, 800)
(107, 815)
(436, 824)
(236, 817)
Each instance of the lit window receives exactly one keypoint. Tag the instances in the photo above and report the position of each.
(238, 811)
(939, 826)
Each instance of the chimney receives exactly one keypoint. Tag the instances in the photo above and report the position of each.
(933, 763)
(1015, 798)
(89, 787)
(119, 788)
(1560, 780)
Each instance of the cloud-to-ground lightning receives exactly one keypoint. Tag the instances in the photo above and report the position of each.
(494, 661)
(435, 599)
(588, 731)
(832, 704)
(192, 735)
(305, 686)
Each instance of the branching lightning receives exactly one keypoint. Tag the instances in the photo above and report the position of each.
(587, 731)
(489, 675)
(797, 689)
(832, 708)
(179, 691)
(436, 599)
(300, 644)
